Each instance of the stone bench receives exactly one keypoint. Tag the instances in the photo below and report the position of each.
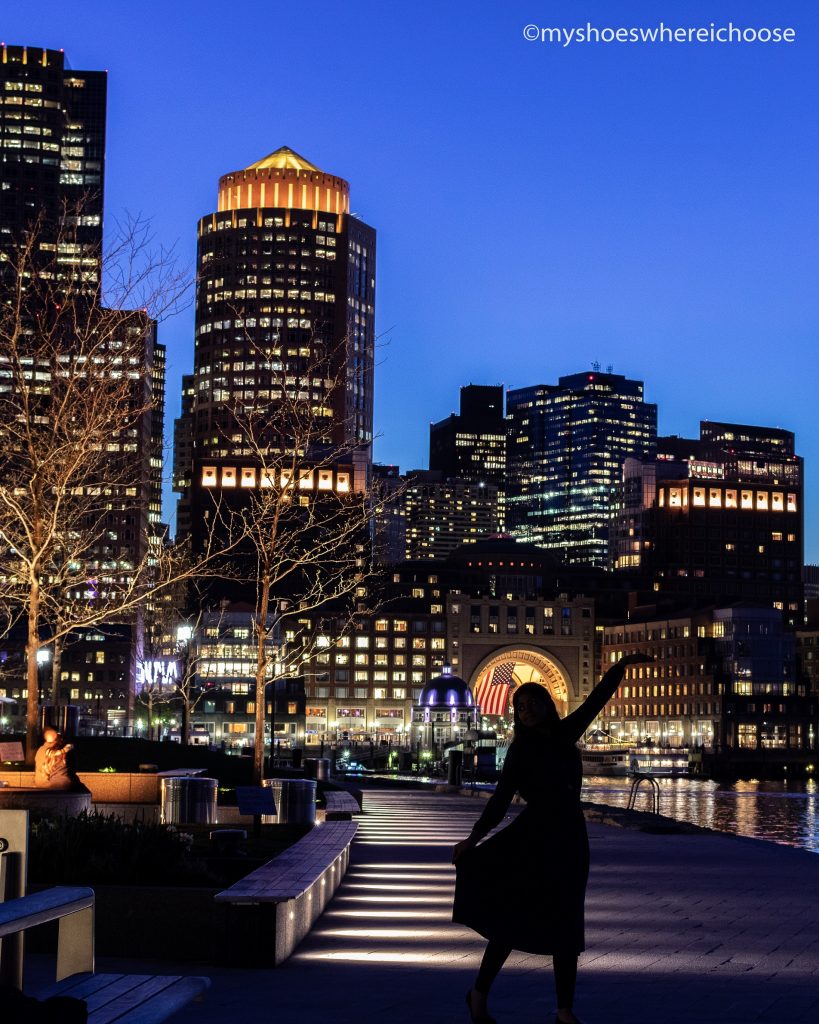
(44, 801)
(126, 999)
(340, 805)
(273, 908)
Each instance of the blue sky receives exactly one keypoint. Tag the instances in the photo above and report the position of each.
(538, 207)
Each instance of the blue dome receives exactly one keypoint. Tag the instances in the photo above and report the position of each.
(446, 691)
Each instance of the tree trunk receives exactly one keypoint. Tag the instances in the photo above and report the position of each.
(56, 667)
(32, 674)
(261, 683)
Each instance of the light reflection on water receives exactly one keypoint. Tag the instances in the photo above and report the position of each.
(782, 812)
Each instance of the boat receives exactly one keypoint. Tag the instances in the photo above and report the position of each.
(658, 761)
(604, 759)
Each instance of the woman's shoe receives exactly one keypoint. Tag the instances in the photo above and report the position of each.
(479, 1018)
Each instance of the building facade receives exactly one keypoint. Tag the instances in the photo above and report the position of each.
(471, 444)
(440, 514)
(722, 678)
(566, 444)
(52, 141)
(718, 519)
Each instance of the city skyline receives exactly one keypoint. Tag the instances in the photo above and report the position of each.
(648, 224)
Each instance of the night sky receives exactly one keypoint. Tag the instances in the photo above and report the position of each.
(538, 208)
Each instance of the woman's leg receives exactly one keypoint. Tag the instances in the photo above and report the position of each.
(565, 968)
(493, 959)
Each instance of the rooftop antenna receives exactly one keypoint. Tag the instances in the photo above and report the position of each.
(596, 366)
(610, 368)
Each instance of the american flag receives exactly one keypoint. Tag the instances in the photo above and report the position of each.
(492, 690)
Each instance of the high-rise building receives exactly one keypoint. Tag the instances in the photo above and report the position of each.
(52, 146)
(716, 519)
(286, 284)
(52, 152)
(441, 514)
(471, 445)
(566, 444)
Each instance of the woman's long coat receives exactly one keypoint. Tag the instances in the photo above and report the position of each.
(525, 886)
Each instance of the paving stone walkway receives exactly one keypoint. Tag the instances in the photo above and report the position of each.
(680, 929)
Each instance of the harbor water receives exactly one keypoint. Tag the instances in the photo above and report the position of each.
(780, 812)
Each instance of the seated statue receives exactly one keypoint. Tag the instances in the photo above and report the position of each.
(52, 768)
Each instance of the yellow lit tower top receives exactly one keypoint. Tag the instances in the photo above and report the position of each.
(284, 180)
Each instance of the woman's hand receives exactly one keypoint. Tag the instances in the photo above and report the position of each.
(463, 847)
(638, 658)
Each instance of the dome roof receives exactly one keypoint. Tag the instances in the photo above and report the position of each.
(447, 690)
(284, 158)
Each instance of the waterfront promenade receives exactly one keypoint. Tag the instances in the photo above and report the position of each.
(680, 928)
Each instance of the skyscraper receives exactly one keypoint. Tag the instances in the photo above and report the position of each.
(286, 284)
(52, 152)
(471, 445)
(566, 445)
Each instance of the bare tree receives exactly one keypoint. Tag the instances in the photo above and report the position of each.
(301, 515)
(76, 400)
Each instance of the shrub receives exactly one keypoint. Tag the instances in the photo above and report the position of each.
(100, 849)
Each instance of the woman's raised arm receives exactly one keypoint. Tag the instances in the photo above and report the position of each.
(574, 725)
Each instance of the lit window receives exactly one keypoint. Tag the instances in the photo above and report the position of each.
(325, 480)
(777, 502)
(747, 499)
(228, 476)
(699, 496)
(762, 500)
(730, 499)
(343, 482)
(248, 477)
(791, 502)
(209, 476)
(715, 498)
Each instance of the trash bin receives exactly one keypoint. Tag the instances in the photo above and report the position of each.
(295, 801)
(187, 800)
(317, 767)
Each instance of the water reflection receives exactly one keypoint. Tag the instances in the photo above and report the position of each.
(783, 812)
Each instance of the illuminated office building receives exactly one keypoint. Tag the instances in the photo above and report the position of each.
(471, 444)
(52, 153)
(286, 282)
(442, 514)
(717, 518)
(566, 444)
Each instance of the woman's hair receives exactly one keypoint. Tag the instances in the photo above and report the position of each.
(539, 693)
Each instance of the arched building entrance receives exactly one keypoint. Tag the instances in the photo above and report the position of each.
(496, 677)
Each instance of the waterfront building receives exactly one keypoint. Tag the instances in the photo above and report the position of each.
(285, 311)
(715, 519)
(509, 620)
(441, 514)
(471, 444)
(722, 678)
(566, 445)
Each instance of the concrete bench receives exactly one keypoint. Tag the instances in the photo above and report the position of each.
(282, 899)
(340, 805)
(126, 999)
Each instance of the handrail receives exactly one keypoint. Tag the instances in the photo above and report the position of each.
(655, 792)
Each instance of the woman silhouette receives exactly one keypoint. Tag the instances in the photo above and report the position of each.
(546, 847)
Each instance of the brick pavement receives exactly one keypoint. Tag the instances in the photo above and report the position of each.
(680, 928)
